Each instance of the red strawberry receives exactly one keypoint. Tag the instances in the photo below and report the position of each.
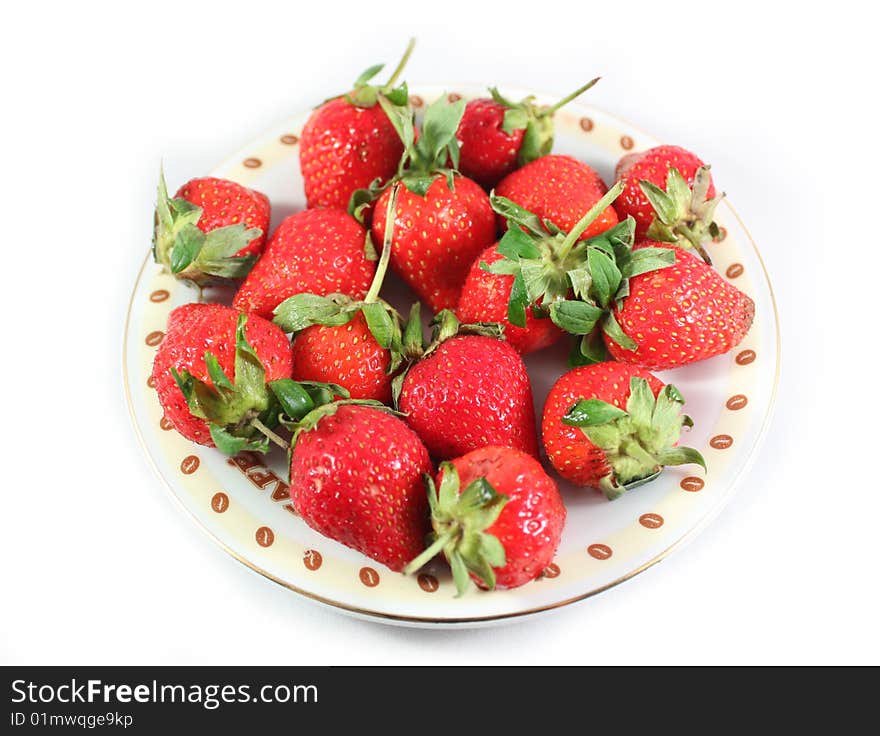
(535, 270)
(497, 517)
(485, 297)
(213, 374)
(669, 192)
(212, 230)
(349, 142)
(679, 315)
(353, 344)
(356, 476)
(443, 221)
(612, 426)
(312, 252)
(560, 189)
(496, 135)
(467, 392)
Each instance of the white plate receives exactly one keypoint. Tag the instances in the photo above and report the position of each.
(244, 506)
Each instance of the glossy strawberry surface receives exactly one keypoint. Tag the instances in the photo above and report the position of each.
(225, 202)
(357, 477)
(560, 189)
(344, 147)
(347, 355)
(437, 237)
(472, 391)
(573, 456)
(487, 153)
(193, 330)
(531, 522)
(681, 314)
(316, 252)
(651, 165)
(484, 298)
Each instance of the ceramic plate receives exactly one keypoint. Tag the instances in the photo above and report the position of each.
(243, 503)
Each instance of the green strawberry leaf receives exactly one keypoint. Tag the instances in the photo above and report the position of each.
(413, 333)
(368, 74)
(379, 322)
(304, 310)
(587, 350)
(514, 119)
(187, 244)
(230, 444)
(605, 274)
(516, 215)
(295, 400)
(519, 300)
(592, 412)
(576, 317)
(611, 328)
(516, 244)
(218, 377)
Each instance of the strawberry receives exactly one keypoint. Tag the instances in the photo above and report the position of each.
(613, 427)
(339, 340)
(497, 517)
(214, 374)
(496, 135)
(684, 313)
(356, 476)
(443, 220)
(321, 251)
(467, 392)
(485, 297)
(560, 189)
(211, 231)
(669, 192)
(536, 269)
(349, 142)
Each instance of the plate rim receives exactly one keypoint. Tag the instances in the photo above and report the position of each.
(472, 621)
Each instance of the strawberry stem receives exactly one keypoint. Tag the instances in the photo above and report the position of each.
(385, 257)
(587, 220)
(568, 98)
(262, 428)
(401, 64)
(431, 552)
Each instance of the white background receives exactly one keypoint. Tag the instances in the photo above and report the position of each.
(100, 566)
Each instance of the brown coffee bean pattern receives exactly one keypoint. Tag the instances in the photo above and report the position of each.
(721, 441)
(151, 382)
(692, 484)
(265, 536)
(220, 502)
(651, 521)
(189, 465)
(369, 577)
(154, 338)
(416, 101)
(288, 139)
(600, 551)
(165, 424)
(586, 124)
(745, 357)
(252, 163)
(160, 295)
(737, 402)
(312, 559)
(722, 235)
(453, 97)
(551, 571)
(428, 583)
(735, 270)
(626, 143)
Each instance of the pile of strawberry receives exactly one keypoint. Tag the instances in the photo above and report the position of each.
(511, 247)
